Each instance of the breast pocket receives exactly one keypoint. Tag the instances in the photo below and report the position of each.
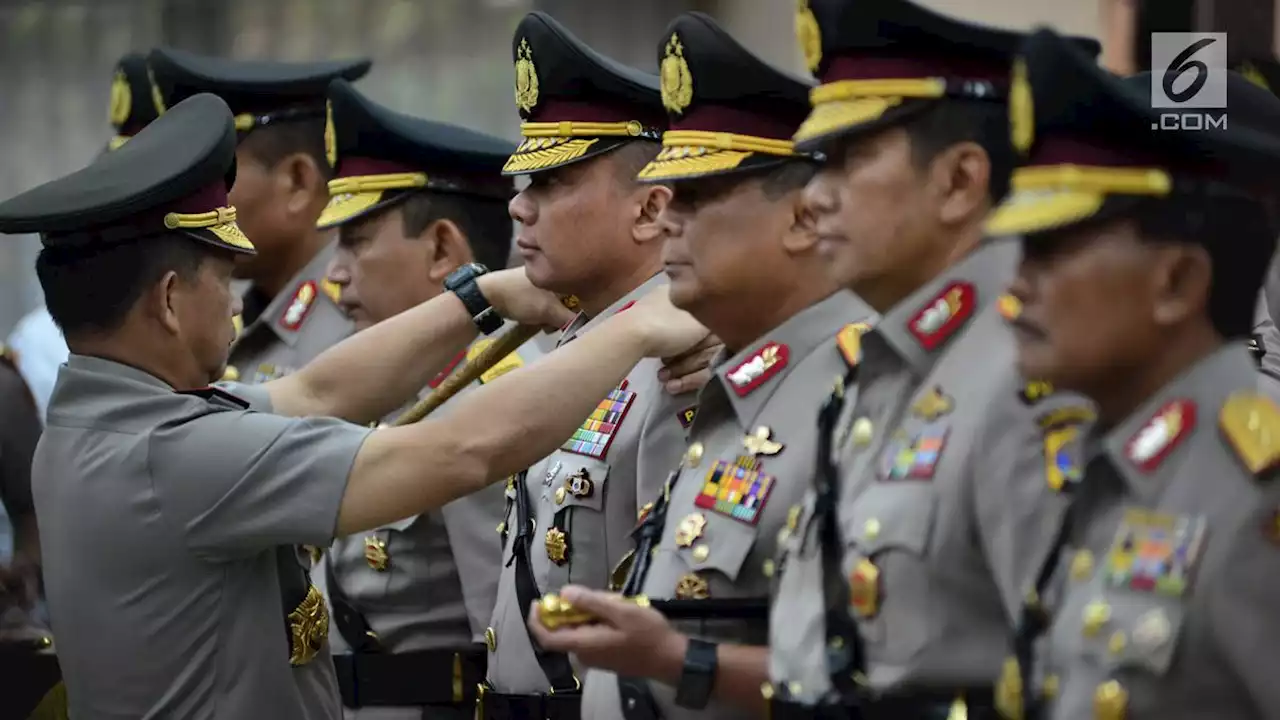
(889, 530)
(712, 549)
(574, 489)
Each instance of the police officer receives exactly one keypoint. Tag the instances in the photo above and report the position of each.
(414, 201)
(904, 569)
(290, 311)
(741, 259)
(171, 512)
(587, 229)
(1144, 251)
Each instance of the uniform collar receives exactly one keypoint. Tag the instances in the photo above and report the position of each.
(921, 327)
(1144, 448)
(582, 323)
(749, 378)
(288, 311)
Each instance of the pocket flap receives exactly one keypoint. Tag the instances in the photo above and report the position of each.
(574, 481)
(893, 516)
(707, 541)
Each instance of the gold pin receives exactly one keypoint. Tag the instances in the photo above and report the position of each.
(793, 517)
(375, 553)
(502, 527)
(1110, 701)
(864, 589)
(701, 553)
(871, 529)
(557, 546)
(769, 568)
(758, 442)
(863, 431)
(692, 587)
(1096, 614)
(693, 455)
(490, 639)
(690, 529)
(1117, 643)
(1081, 565)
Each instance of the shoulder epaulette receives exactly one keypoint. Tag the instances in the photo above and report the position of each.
(849, 340)
(1251, 425)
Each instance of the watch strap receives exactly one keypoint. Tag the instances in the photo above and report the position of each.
(698, 676)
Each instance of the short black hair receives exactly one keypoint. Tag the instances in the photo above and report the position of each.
(272, 143)
(1211, 221)
(941, 124)
(485, 221)
(630, 158)
(90, 291)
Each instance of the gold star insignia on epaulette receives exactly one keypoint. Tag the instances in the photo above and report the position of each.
(330, 136)
(1251, 425)
(1022, 119)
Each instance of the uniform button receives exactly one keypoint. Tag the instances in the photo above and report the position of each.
(701, 553)
(490, 639)
(1110, 701)
(794, 688)
(863, 431)
(1117, 643)
(766, 690)
(560, 493)
(1096, 614)
(871, 530)
(693, 455)
(769, 568)
(1050, 688)
(1082, 565)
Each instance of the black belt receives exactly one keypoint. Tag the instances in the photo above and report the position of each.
(499, 706)
(927, 705)
(411, 679)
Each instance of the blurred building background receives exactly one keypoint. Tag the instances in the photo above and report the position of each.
(447, 59)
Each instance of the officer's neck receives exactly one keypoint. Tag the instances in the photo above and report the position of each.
(595, 300)
(271, 281)
(1124, 389)
(743, 317)
(914, 272)
(166, 359)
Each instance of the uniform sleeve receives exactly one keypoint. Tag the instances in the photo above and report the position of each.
(19, 432)
(236, 482)
(662, 439)
(1018, 513)
(1242, 606)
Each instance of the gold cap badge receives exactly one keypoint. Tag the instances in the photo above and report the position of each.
(677, 80)
(809, 35)
(526, 78)
(121, 100)
(330, 136)
(1022, 119)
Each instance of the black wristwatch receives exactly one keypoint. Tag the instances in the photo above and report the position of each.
(462, 282)
(698, 675)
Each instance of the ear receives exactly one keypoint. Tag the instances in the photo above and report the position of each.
(303, 182)
(447, 247)
(961, 176)
(802, 235)
(1185, 279)
(164, 302)
(651, 200)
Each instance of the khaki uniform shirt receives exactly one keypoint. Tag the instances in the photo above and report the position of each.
(297, 325)
(162, 521)
(624, 452)
(750, 458)
(1170, 604)
(429, 581)
(938, 440)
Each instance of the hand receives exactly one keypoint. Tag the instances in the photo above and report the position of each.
(628, 639)
(665, 330)
(690, 371)
(515, 298)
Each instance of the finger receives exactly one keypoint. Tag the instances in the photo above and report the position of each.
(606, 607)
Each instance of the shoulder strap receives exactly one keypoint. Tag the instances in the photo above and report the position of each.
(556, 665)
